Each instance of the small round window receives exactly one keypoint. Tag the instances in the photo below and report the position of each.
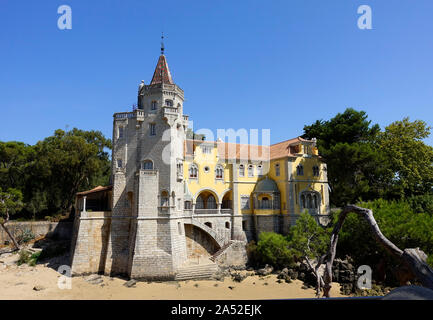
(206, 169)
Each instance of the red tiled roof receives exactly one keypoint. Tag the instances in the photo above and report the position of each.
(162, 72)
(246, 151)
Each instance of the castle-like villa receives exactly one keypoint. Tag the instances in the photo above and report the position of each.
(178, 207)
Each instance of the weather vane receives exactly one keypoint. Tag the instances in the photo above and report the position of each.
(162, 43)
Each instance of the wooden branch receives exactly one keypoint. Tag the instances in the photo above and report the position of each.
(414, 259)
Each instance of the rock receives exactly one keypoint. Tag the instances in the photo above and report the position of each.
(38, 288)
(304, 287)
(265, 271)
(293, 274)
(301, 276)
(92, 277)
(97, 281)
(288, 280)
(131, 283)
(238, 277)
(231, 287)
(280, 281)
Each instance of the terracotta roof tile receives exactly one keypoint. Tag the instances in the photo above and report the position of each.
(162, 72)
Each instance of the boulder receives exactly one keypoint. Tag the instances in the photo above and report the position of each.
(131, 283)
(238, 277)
(265, 271)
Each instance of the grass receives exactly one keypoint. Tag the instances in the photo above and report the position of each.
(26, 257)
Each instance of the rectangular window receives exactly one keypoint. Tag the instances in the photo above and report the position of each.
(277, 170)
(206, 149)
(245, 202)
(250, 171)
(153, 105)
(241, 171)
(152, 129)
(119, 163)
(120, 133)
(260, 170)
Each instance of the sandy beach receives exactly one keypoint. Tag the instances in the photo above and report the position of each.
(41, 282)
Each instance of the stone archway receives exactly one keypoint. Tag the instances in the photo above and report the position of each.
(199, 243)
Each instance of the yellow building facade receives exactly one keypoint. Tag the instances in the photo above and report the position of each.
(268, 186)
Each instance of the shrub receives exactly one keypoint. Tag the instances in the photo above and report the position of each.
(25, 236)
(28, 258)
(273, 248)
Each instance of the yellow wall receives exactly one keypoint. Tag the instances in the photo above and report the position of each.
(246, 184)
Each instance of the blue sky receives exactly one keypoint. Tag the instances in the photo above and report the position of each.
(242, 64)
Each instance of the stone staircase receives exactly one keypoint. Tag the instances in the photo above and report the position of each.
(197, 271)
(220, 251)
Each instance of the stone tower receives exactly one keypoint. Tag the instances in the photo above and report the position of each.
(146, 228)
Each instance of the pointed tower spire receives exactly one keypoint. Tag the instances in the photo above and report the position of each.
(162, 72)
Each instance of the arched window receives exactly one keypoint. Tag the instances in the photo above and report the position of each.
(193, 170)
(300, 170)
(227, 225)
(315, 206)
(211, 203)
(303, 201)
(309, 201)
(316, 171)
(165, 199)
(250, 171)
(199, 204)
(169, 103)
(277, 169)
(241, 170)
(219, 172)
(147, 165)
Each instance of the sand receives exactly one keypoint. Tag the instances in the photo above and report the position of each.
(18, 283)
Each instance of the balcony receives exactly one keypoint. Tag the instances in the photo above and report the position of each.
(206, 211)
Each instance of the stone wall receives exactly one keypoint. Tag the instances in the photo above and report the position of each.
(59, 230)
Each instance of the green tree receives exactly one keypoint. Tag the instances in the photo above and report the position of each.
(10, 203)
(68, 162)
(355, 165)
(14, 161)
(307, 238)
(410, 160)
